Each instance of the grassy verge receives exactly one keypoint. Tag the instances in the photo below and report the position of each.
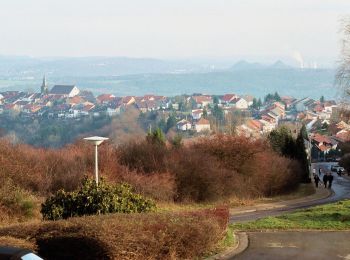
(335, 216)
(229, 241)
(303, 190)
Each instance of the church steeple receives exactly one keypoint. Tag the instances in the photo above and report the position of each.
(44, 87)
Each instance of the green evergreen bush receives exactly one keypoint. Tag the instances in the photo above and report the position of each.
(92, 199)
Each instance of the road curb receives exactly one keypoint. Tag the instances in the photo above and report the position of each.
(241, 245)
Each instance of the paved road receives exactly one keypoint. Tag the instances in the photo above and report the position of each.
(296, 244)
(340, 187)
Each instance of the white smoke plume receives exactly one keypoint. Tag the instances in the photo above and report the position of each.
(299, 58)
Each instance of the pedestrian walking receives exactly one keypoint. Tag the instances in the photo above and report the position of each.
(339, 172)
(313, 172)
(330, 180)
(319, 172)
(325, 180)
(317, 180)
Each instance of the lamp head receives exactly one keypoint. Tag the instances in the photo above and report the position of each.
(96, 140)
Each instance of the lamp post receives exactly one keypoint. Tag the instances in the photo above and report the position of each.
(96, 141)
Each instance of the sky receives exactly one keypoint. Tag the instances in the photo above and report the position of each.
(174, 29)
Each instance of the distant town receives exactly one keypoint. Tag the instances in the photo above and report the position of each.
(193, 114)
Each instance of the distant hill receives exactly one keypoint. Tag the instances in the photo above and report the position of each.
(245, 65)
(132, 76)
(92, 66)
(280, 65)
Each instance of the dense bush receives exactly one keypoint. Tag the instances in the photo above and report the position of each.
(199, 177)
(345, 162)
(146, 156)
(123, 236)
(16, 203)
(208, 169)
(160, 187)
(93, 199)
(224, 166)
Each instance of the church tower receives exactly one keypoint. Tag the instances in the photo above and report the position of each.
(44, 87)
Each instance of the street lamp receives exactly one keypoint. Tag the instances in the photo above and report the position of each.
(96, 141)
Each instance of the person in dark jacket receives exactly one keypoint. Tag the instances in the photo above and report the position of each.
(317, 180)
(330, 180)
(325, 180)
(339, 172)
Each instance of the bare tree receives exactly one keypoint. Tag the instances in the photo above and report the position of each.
(343, 71)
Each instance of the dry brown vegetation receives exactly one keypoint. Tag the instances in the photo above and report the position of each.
(208, 170)
(122, 236)
(215, 168)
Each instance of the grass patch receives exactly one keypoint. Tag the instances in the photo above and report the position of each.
(334, 216)
(229, 240)
(303, 190)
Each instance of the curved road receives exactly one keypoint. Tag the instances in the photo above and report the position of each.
(340, 188)
(297, 244)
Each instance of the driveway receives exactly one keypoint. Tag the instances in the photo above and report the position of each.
(297, 245)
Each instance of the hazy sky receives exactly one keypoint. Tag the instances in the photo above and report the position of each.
(259, 29)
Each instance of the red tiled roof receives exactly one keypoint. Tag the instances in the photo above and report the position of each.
(255, 124)
(228, 97)
(201, 99)
(105, 98)
(203, 121)
(318, 108)
(343, 136)
(321, 138)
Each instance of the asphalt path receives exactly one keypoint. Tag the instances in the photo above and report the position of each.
(340, 190)
(299, 244)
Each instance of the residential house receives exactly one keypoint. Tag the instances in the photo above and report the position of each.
(31, 108)
(114, 109)
(343, 135)
(267, 126)
(227, 98)
(105, 98)
(203, 101)
(255, 126)
(75, 100)
(12, 107)
(128, 100)
(321, 145)
(249, 99)
(65, 90)
(202, 125)
(288, 101)
(184, 125)
(197, 114)
(303, 104)
(146, 105)
(238, 103)
(329, 106)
